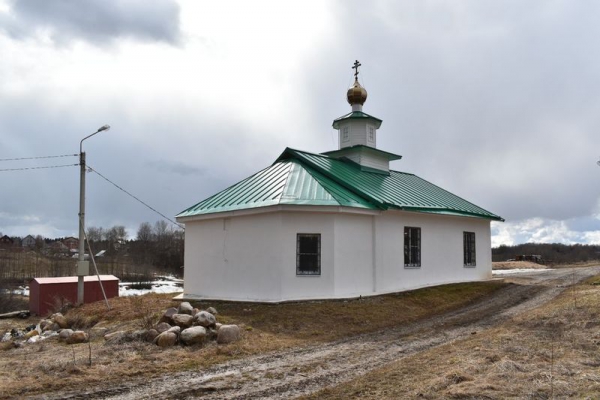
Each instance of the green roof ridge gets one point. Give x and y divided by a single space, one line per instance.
427 198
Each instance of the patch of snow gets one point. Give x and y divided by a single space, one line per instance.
160 286
519 271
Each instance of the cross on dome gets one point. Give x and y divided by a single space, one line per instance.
356 95
355 68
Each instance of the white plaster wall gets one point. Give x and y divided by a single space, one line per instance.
295 287
253 257
234 258
441 250
353 255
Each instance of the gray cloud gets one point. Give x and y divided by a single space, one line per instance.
95 21
175 167
496 102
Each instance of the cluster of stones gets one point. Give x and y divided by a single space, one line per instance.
56 325
185 325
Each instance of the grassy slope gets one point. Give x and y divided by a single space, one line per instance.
49 365
549 352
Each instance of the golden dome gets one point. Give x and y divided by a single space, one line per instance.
357 94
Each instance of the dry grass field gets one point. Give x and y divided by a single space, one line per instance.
50 366
549 352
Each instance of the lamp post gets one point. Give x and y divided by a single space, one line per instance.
83 267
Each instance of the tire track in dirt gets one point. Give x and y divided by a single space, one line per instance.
307 369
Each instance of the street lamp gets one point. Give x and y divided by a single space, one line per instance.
83 267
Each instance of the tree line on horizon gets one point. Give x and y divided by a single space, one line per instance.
552 253
157 249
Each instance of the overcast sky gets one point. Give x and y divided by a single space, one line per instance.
495 101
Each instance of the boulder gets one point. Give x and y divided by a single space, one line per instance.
32 333
175 330
64 334
212 310
34 339
167 316
218 325
163 327
151 334
98 331
195 311
45 325
211 333
7 336
183 320
138 335
77 337
60 320
193 335
228 334
55 327
185 308
166 339
114 336
204 318
49 334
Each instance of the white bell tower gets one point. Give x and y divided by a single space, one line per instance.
357 133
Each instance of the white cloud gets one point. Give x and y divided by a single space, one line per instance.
538 230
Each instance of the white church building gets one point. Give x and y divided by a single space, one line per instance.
339 224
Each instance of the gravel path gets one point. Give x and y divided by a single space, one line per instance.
305 370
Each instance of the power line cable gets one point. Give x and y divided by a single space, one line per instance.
26 168
37 158
126 192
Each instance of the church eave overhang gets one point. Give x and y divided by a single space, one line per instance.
356 115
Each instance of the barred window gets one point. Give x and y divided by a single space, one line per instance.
308 254
469 249
412 247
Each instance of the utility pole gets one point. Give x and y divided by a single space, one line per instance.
83 267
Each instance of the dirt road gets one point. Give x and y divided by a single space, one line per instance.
304 370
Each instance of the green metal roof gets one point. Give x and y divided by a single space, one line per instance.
397 190
285 182
356 115
302 178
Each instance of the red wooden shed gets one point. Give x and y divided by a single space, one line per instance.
46 293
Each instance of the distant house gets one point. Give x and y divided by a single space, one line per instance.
6 242
58 247
28 241
71 243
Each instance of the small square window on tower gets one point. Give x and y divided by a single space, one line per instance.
308 254
371 134
345 134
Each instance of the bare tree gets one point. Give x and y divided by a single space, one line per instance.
161 230
144 232
95 234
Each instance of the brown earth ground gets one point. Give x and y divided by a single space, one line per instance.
552 351
48 366
532 336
